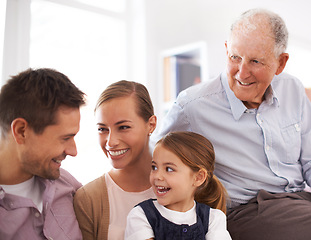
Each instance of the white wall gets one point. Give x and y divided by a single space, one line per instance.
171 23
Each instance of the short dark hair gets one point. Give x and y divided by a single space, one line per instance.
36 95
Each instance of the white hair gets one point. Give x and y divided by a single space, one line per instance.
251 19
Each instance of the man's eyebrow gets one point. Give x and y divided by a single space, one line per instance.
68 135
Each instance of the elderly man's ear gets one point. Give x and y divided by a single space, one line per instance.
283 58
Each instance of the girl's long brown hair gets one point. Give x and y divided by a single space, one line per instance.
197 152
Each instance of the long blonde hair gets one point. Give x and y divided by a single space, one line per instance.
197 152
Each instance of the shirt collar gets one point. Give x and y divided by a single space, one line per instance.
271 96
237 106
2 193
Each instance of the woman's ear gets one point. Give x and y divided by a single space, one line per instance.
200 177
152 123
18 128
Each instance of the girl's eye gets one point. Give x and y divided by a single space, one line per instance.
154 168
169 169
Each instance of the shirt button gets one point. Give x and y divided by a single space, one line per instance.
297 127
37 214
185 230
267 148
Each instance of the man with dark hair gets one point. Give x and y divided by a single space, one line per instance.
39 117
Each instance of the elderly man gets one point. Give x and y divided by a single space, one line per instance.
259 121
39 117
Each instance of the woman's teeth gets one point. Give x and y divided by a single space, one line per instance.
117 153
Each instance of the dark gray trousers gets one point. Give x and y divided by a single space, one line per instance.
279 216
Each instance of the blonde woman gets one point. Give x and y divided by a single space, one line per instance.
125 120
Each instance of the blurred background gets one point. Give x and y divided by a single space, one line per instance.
165 44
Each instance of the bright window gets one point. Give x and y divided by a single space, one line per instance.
90 48
2 24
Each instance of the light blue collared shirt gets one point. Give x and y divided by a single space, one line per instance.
266 148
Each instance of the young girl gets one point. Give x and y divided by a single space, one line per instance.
125 121
191 201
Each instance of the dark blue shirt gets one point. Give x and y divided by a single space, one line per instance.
164 229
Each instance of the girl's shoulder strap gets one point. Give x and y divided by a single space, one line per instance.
203 214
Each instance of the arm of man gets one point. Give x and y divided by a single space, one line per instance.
175 120
305 156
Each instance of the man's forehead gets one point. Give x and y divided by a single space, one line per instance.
253 31
261 36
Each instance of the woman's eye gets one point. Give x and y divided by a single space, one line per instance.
168 169
124 127
153 168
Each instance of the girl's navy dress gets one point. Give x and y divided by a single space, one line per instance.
164 229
